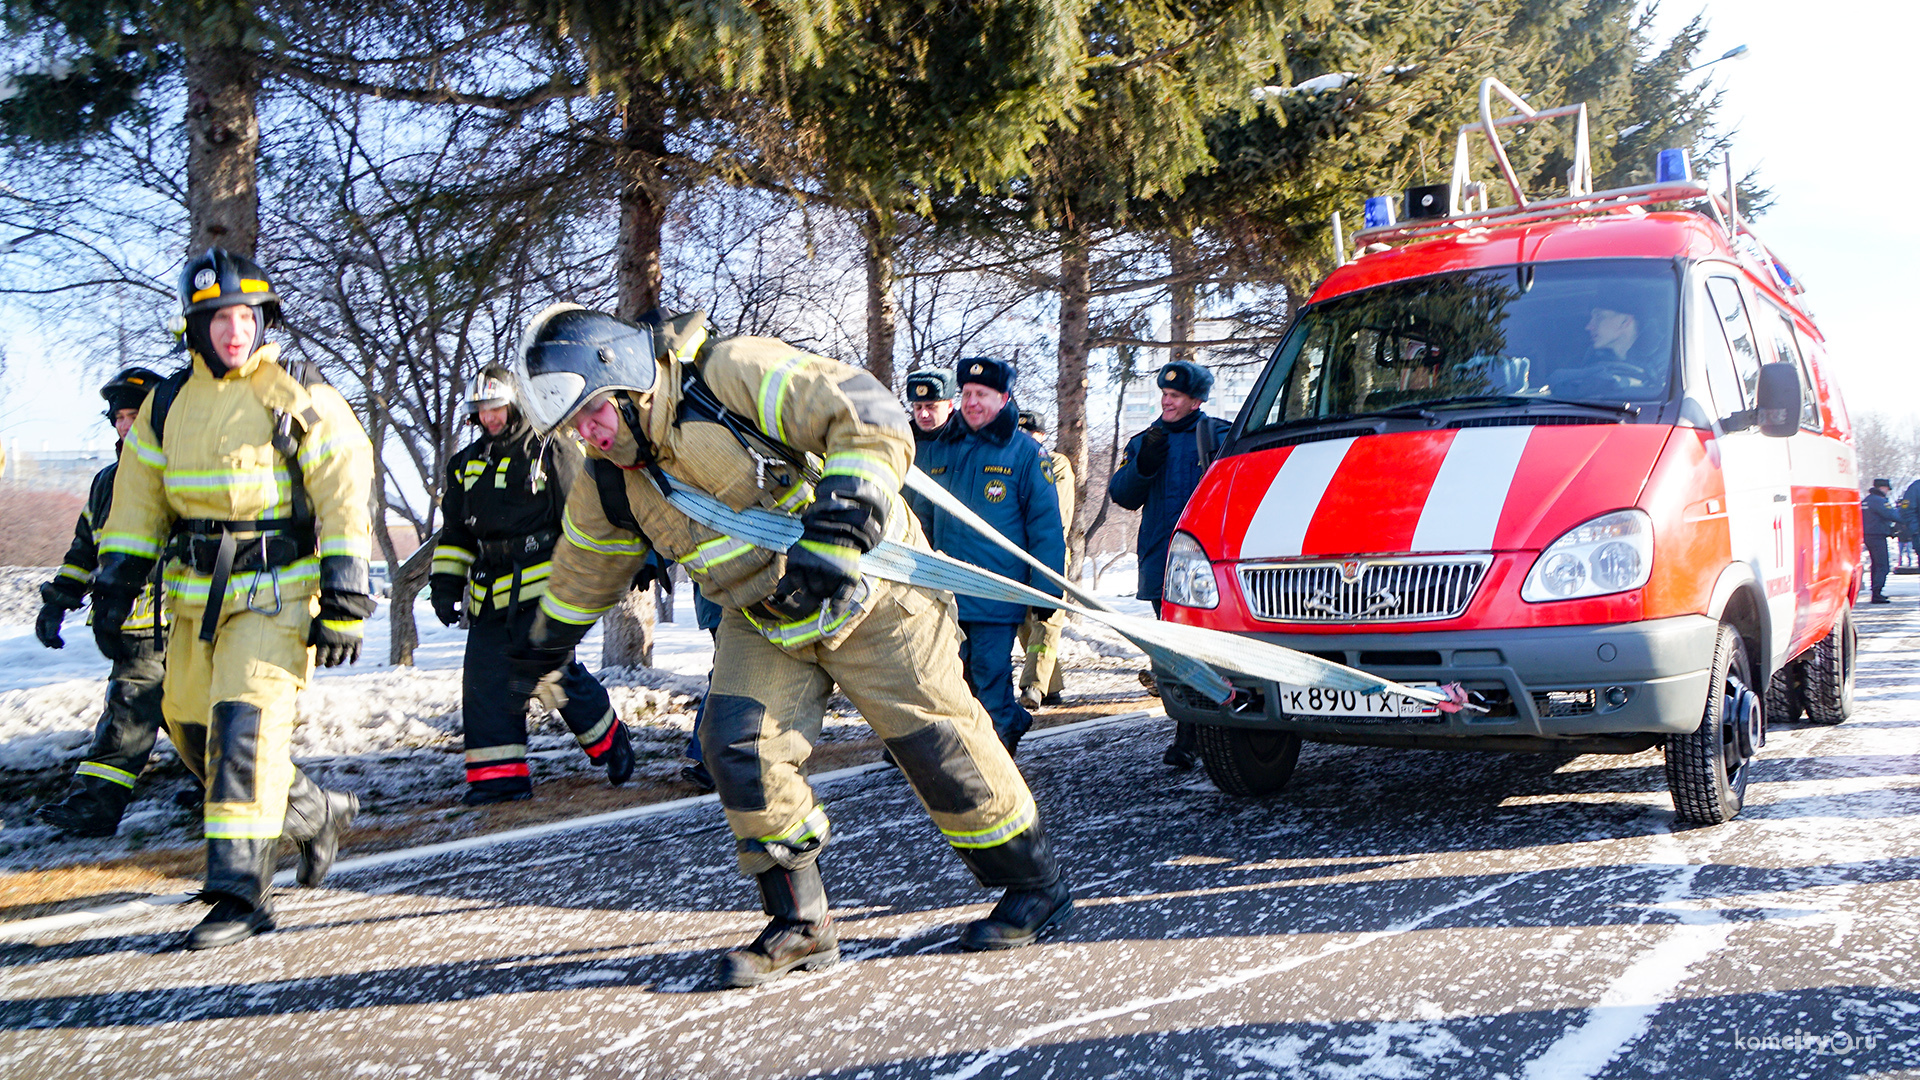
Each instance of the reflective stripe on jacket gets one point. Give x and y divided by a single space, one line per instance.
218 462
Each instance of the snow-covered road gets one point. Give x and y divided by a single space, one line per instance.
1392 914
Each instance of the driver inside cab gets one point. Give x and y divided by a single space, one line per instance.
1628 355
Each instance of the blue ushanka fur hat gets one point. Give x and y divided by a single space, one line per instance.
931 384
1186 377
985 370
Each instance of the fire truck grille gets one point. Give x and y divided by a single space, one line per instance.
1363 590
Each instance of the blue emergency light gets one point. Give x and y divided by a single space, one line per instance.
1675 166
1379 212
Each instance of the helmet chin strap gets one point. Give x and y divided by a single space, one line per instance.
630 412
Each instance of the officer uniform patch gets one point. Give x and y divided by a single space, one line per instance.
1047 470
996 490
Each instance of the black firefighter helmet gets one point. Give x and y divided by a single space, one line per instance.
217 278
128 389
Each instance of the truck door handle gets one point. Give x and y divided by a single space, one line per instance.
1779 498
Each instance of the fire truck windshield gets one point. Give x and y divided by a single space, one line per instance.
1592 331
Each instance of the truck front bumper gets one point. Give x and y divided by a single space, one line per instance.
1587 685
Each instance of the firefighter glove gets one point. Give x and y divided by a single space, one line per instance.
446 590
111 606
55 603
846 519
817 574
1153 451
335 637
346 599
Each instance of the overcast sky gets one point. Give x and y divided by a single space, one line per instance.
1820 104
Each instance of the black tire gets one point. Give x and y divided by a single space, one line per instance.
1786 693
1248 763
1706 768
1827 672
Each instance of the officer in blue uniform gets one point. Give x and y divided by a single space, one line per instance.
930 399
1004 477
1158 473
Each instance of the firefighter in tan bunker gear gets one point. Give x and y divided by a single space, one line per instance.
744 420
252 486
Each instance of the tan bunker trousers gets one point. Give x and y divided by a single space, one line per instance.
901 668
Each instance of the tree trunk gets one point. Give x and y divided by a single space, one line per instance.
1183 295
408 579
1071 385
223 141
644 192
882 312
1113 455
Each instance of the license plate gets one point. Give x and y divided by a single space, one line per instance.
1321 701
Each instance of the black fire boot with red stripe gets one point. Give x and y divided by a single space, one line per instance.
618 756
801 934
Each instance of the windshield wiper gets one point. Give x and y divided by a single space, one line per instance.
1423 409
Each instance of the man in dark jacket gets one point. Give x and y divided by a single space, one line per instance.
1881 524
1004 477
1158 473
502 504
103 784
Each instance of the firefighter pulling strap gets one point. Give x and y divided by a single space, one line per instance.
1195 653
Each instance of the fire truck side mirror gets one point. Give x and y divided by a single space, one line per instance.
1779 399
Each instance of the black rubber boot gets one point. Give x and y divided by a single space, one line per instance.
240 888
1184 754
1036 898
488 792
618 756
91 808
316 820
801 934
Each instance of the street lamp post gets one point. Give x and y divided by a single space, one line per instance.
1730 54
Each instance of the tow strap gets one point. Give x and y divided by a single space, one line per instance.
1195 655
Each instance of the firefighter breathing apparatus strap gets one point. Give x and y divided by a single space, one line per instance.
1193 651
285 442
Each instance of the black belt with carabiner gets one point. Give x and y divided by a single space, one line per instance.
209 546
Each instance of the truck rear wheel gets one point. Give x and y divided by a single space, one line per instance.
1248 763
1827 672
1787 693
1707 767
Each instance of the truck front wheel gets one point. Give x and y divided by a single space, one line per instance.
1248 763
1707 767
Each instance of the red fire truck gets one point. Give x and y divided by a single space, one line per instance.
1581 459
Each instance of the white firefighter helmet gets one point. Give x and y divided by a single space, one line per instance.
490 389
569 354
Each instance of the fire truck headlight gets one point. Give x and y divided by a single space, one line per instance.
1609 554
1189 574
